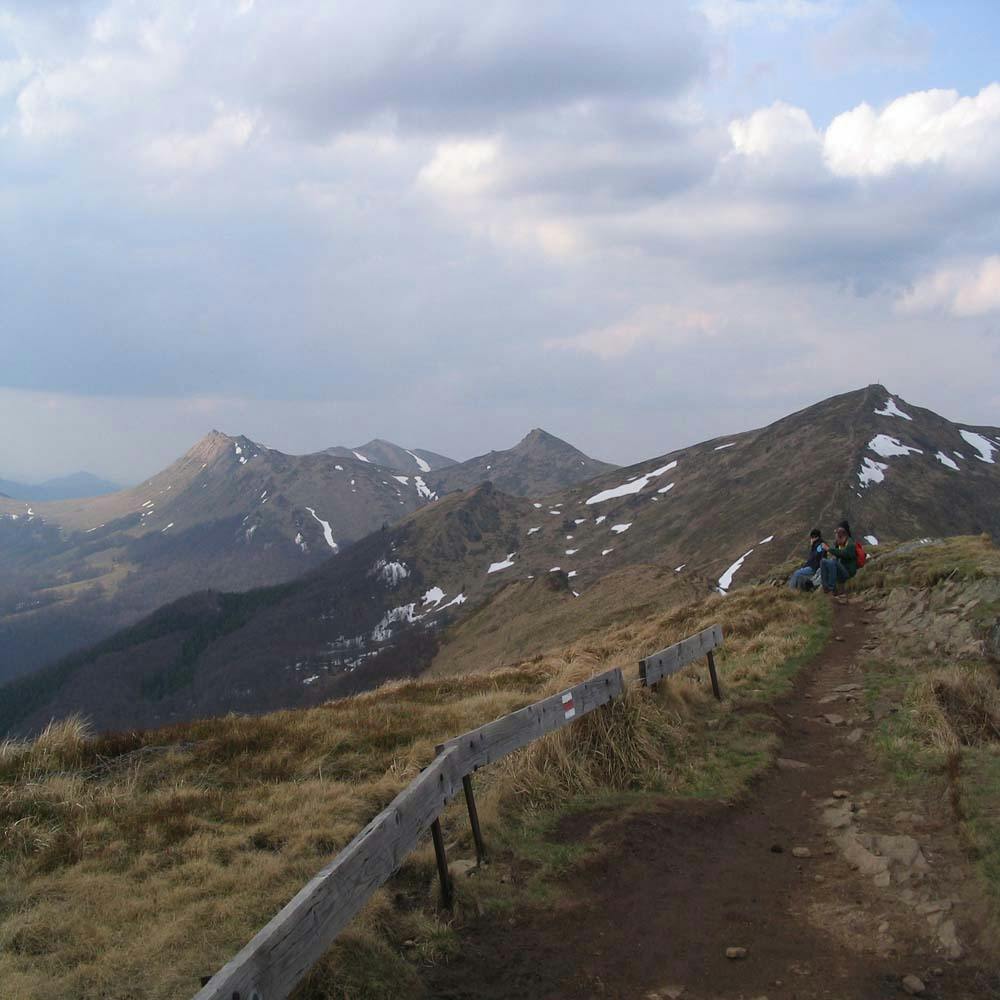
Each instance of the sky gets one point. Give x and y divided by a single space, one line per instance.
637 225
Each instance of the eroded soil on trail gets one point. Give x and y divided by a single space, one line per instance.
835 883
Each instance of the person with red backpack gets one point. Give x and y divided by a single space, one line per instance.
841 560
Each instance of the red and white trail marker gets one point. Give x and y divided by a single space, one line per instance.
569 709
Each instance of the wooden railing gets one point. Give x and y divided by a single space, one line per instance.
668 661
280 955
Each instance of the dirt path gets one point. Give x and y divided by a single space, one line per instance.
653 916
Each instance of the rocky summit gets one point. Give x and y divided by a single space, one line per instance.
539 464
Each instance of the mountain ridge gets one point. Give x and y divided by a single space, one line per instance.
710 516
230 514
378 451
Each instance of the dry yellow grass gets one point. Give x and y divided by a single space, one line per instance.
131 865
529 617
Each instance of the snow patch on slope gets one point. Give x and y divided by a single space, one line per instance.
383 630
983 445
423 489
889 447
327 530
503 564
421 464
871 472
726 580
633 486
892 410
393 573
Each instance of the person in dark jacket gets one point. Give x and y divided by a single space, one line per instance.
802 577
840 561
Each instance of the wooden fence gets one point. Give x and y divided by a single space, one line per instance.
280 955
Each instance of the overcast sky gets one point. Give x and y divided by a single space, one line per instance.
636 225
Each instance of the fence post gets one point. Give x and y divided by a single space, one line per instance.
447 895
714 676
642 675
477 834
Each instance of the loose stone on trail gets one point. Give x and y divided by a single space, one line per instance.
787 764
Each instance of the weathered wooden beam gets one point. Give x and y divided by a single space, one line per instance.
281 953
668 661
497 739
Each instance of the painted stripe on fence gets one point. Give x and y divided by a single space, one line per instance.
569 709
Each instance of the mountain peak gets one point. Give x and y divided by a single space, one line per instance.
538 436
538 464
216 443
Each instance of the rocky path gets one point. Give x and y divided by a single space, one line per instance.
827 882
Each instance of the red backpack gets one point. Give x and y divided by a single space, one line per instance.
860 553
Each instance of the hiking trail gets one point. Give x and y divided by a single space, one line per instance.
835 883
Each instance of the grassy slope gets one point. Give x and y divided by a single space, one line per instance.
529 617
132 865
937 689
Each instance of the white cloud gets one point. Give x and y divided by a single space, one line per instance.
462 168
926 127
774 131
204 150
970 290
663 324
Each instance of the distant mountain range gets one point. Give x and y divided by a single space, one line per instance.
709 516
230 515
79 484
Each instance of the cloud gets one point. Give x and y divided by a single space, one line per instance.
970 290
202 150
440 67
13 73
461 168
319 213
779 145
926 128
666 325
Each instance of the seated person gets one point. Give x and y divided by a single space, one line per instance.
801 579
840 561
